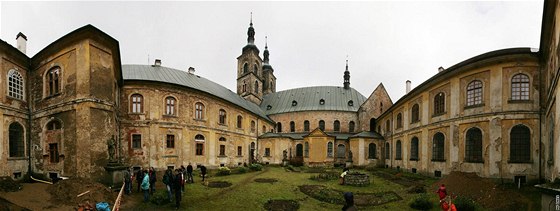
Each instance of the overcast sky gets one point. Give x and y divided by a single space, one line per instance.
385 42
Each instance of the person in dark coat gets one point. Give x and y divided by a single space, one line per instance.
189 173
203 171
127 182
139 177
168 181
349 202
153 179
177 181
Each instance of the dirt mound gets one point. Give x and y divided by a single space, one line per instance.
67 191
484 191
266 180
7 184
333 196
281 205
219 184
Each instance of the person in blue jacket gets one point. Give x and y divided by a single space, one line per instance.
146 186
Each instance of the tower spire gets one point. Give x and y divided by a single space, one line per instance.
265 53
346 76
251 32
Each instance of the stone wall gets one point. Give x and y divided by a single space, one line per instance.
356 179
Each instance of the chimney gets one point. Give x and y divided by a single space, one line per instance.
407 86
157 63
440 69
191 70
21 42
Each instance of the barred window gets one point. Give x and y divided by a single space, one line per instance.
239 151
239 121
351 126
474 93
53 85
222 150
136 141
170 141
414 148
137 104
399 120
222 114
336 126
520 87
415 113
372 150
15 84
267 152
387 150
520 144
398 150
53 152
292 126
253 126
438 147
16 142
439 103
322 125
199 149
306 126
199 111
170 106
473 148
330 149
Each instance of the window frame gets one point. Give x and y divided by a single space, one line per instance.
322 125
15 85
292 127
138 141
54 155
520 87
239 122
438 147
330 149
222 116
136 103
414 149
306 125
475 93
16 145
520 144
473 146
415 113
398 150
222 150
336 126
372 151
199 111
399 120
170 141
52 81
351 126
439 104
170 103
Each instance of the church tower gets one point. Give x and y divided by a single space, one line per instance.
269 83
249 70
346 77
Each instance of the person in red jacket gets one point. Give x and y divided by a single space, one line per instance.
442 192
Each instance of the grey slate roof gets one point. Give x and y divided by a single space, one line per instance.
307 98
182 78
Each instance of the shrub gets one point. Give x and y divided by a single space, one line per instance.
465 203
160 197
255 167
241 170
223 171
421 202
325 176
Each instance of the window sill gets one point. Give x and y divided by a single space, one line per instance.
438 160
17 158
520 101
223 125
15 98
199 120
222 156
439 114
474 161
398 158
474 106
136 149
52 96
520 162
136 113
414 122
413 159
239 156
169 116
170 148
372 158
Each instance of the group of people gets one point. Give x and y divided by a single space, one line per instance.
174 182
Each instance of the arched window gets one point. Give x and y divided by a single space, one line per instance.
351 126
387 150
223 116
520 144
137 103
473 145
306 126
330 149
256 87
15 84
474 93
170 106
279 127
52 78
399 120
222 139
415 113
322 125
388 125
341 151
199 111
245 68
372 150
244 86
292 126
371 124
438 147
239 121
199 147
439 104
16 142
336 126
520 87
253 126
398 151
306 149
255 69
414 148
54 125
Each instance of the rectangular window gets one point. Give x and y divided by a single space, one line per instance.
239 151
222 150
136 141
267 152
199 149
170 141
53 152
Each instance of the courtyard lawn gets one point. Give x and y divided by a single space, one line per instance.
246 194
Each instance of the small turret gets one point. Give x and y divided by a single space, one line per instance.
346 77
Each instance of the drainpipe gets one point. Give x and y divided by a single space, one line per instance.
29 115
540 129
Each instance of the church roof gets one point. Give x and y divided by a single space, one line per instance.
318 98
182 78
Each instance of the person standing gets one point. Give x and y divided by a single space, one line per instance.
168 181
189 173
139 177
349 202
146 186
442 192
127 181
153 179
203 171
177 181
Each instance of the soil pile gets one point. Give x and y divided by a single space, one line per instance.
7 184
483 190
67 191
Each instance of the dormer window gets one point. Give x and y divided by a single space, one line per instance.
294 103
322 102
350 103
268 107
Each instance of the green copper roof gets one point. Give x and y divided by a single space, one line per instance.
182 78
309 99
